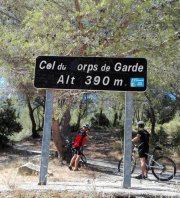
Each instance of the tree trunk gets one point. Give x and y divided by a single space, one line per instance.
152 114
57 138
100 117
65 129
79 117
82 111
115 119
78 121
80 26
61 130
65 126
34 131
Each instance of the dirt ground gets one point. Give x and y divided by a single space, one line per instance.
102 145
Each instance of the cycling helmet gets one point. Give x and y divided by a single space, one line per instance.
86 126
141 124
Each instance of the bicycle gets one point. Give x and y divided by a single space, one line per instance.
162 167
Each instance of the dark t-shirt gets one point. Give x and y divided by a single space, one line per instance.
144 137
143 148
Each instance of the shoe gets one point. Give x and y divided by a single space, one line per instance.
145 177
76 169
70 168
141 177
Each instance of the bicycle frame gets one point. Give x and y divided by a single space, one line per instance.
150 160
162 167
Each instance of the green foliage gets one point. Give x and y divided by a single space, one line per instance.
26 125
173 128
177 150
167 109
8 122
148 29
74 127
109 28
159 137
163 104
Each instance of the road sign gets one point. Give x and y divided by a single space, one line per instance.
91 73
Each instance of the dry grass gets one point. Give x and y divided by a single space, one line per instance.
50 194
62 173
9 174
10 178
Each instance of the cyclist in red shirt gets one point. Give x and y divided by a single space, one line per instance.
80 141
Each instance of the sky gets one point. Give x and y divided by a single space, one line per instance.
3 82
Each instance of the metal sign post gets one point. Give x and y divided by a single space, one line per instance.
46 137
127 140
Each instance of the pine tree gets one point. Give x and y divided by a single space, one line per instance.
8 122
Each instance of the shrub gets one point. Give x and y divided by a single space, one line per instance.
173 128
100 120
8 122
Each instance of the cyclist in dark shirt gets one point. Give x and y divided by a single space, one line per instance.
142 138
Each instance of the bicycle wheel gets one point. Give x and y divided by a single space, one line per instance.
83 158
121 165
163 168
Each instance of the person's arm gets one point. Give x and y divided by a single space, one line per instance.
136 139
87 136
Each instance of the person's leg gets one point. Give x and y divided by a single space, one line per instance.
143 157
143 166
77 162
72 162
77 158
146 163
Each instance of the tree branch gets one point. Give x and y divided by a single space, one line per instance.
129 53
63 6
9 16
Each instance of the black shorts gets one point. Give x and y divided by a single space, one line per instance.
143 150
78 150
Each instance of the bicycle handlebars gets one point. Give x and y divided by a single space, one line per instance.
135 148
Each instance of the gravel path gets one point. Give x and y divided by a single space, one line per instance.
106 181
104 186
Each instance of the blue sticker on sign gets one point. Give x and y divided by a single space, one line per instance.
137 82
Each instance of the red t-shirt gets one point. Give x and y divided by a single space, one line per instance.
80 139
